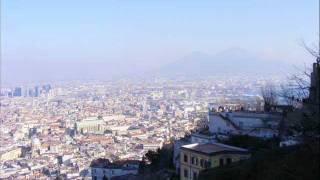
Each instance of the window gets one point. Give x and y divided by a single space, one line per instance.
229 160
192 160
185 173
220 162
201 162
207 164
185 158
194 175
197 161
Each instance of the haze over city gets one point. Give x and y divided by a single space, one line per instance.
71 40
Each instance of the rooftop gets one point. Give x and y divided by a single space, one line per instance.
214 148
121 164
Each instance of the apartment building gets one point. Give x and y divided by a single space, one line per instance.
197 157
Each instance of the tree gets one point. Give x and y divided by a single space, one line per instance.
269 96
160 159
59 177
298 85
290 163
308 84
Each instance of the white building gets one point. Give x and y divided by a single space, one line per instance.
91 125
103 168
152 146
264 125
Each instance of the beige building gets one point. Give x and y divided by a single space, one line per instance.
10 154
197 157
91 125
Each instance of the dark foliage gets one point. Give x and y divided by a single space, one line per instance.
158 160
294 163
253 144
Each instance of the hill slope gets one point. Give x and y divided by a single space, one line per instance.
230 61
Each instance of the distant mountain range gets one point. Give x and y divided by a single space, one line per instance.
230 61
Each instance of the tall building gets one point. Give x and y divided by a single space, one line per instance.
36 91
46 88
17 92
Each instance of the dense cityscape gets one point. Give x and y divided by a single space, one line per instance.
64 126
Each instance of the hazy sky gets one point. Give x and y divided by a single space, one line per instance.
146 33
